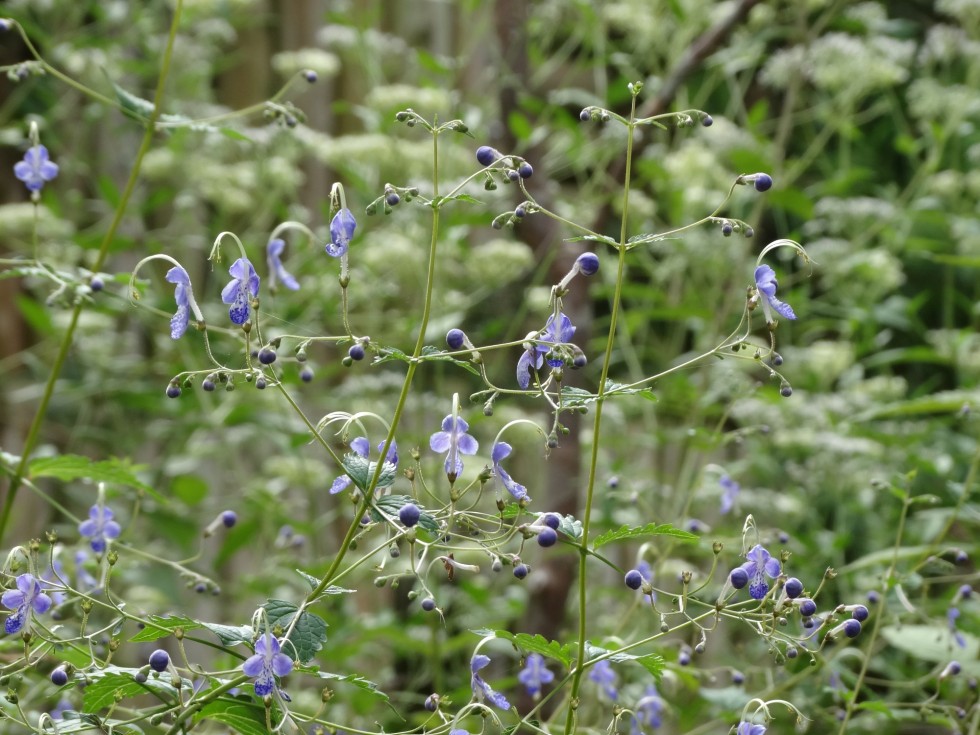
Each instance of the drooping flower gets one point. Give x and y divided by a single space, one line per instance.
749 728
179 321
267 663
730 490
273 258
647 712
760 565
24 600
362 447
603 675
535 674
951 615
482 690
99 527
341 233
501 450
765 282
453 440
559 332
36 168
243 287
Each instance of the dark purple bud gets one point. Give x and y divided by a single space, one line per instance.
785 390
392 199
860 613
525 171
409 514
428 604
547 537
520 212
739 578
727 229
432 702
707 121
229 518
738 677
763 182
310 76
96 284
792 652
552 520
965 590
139 677
852 628
962 557
777 360
952 669
159 660
748 232
455 338
208 384
684 658
260 383
306 374
633 579
807 607
585 115
59 677
486 155
356 352
267 355
588 264
521 570
173 391
513 175
793 587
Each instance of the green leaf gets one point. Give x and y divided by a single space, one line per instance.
331 590
244 717
308 635
519 125
433 354
533 644
930 642
161 627
192 489
231 635
67 467
81 722
235 135
649 661
360 471
570 526
358 681
133 106
391 504
113 684
651 529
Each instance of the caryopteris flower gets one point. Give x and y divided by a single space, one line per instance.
760 565
180 320
25 600
729 491
951 616
341 233
481 690
501 450
748 728
453 440
535 674
647 713
267 663
603 675
559 332
765 282
273 256
35 169
99 527
362 447
243 287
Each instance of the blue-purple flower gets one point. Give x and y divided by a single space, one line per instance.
765 282
341 233
86 582
267 663
501 450
50 581
749 728
36 168
603 675
273 258
453 440
99 527
951 615
533 357
25 600
482 690
362 447
729 491
647 712
760 564
179 321
535 674
243 287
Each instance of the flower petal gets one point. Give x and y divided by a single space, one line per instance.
479 662
12 599
42 603
467 444
281 664
362 446
340 484
499 451
440 441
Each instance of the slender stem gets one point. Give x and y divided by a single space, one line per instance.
34 431
597 424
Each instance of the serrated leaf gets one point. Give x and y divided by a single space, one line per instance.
536 643
67 467
162 626
358 681
308 635
432 354
231 635
114 683
242 716
649 661
570 526
134 106
391 504
331 590
650 529
360 471
72 722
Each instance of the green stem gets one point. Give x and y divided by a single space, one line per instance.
597 424
33 433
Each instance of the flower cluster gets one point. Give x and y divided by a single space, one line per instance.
557 331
